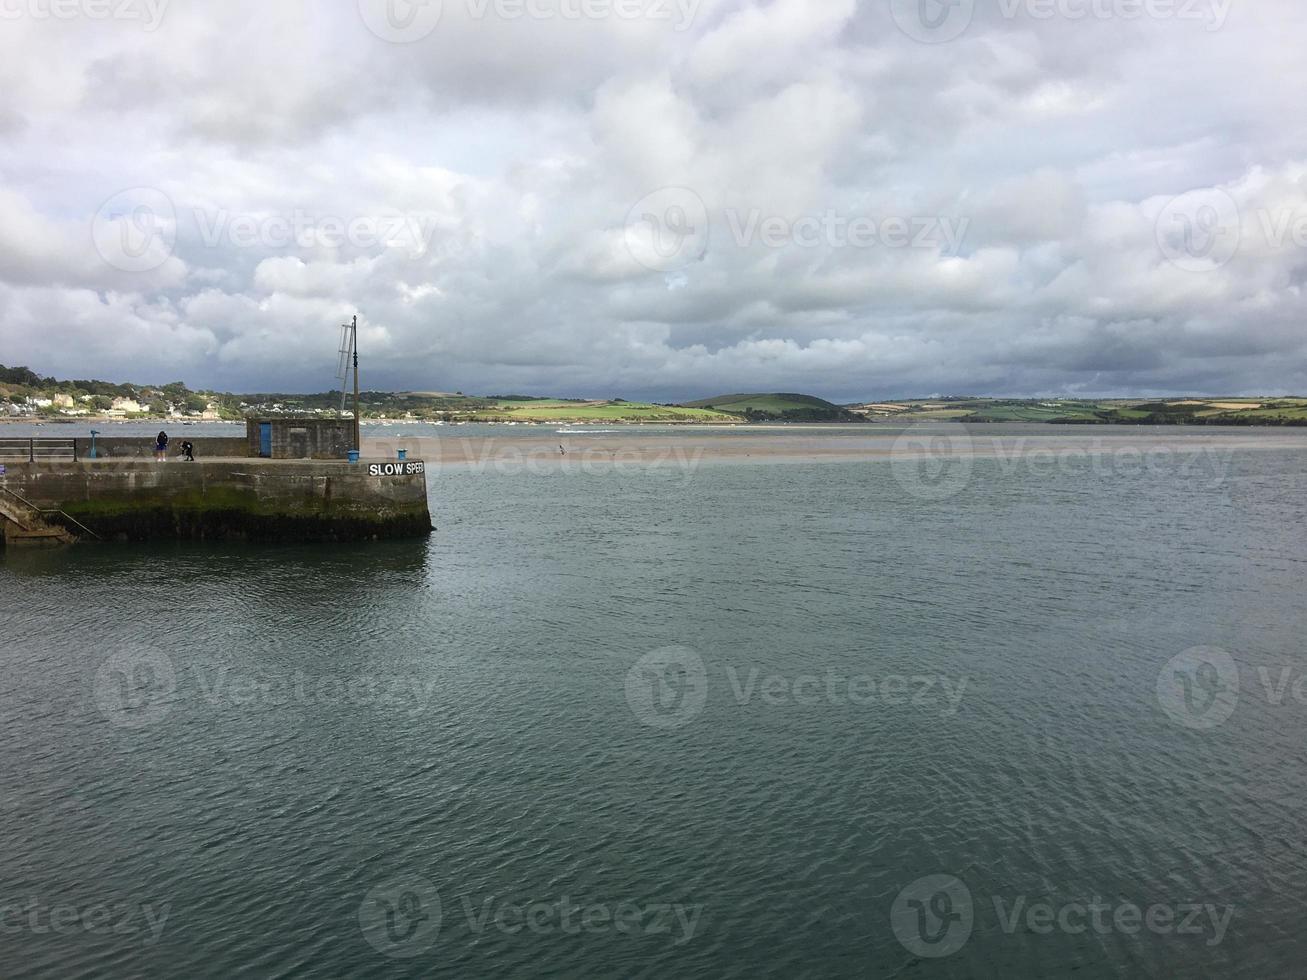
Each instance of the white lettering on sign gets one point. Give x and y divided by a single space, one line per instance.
396 469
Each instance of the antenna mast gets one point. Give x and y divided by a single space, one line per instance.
349 350
358 432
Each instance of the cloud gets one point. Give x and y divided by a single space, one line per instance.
1043 204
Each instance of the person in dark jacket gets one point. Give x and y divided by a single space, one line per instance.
161 447
188 451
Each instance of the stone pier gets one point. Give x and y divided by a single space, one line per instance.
224 499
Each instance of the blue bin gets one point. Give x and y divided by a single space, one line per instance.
403 455
353 455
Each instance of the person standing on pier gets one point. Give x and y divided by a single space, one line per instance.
161 447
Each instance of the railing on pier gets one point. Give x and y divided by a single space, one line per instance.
38 450
45 512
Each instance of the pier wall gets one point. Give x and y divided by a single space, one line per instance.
118 447
234 499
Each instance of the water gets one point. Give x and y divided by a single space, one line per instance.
245 756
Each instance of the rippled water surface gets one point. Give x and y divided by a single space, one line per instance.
728 721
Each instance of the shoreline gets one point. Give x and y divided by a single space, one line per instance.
540 451
1224 423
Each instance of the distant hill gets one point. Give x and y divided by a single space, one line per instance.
532 409
777 407
1199 410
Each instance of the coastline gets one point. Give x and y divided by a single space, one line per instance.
553 424
1195 422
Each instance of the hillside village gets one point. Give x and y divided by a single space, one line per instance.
81 406
26 395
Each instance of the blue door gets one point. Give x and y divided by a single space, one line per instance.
265 439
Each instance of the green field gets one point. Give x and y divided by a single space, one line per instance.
543 410
776 406
1119 411
1063 412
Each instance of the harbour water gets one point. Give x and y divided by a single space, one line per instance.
1031 715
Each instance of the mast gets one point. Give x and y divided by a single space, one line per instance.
358 432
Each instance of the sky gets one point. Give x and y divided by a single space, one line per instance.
661 199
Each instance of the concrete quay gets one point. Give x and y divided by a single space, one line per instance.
126 498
